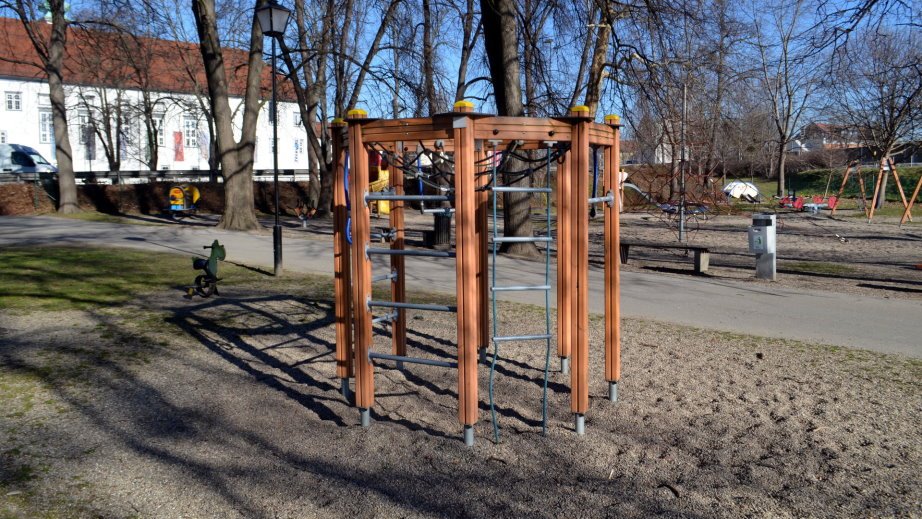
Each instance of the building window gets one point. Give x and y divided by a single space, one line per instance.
158 128
14 101
297 118
45 127
3 137
190 132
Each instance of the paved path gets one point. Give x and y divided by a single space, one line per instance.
886 325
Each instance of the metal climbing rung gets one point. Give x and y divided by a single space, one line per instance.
608 199
413 306
391 276
412 360
521 239
521 288
515 189
510 338
385 318
439 210
374 197
411 252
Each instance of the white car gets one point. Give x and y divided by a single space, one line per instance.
17 158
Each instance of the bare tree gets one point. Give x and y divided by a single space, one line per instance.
878 95
502 48
787 76
235 155
49 42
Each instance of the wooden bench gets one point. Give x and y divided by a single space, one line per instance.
702 253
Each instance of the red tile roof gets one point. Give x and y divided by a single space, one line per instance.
109 59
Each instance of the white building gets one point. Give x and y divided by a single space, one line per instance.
101 87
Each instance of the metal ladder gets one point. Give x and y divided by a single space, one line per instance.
498 240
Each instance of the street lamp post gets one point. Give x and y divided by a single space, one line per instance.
272 19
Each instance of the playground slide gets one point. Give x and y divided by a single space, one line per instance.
645 196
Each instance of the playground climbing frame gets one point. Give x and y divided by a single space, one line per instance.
467 137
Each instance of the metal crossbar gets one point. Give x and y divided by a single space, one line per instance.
510 338
497 339
413 306
522 239
410 252
374 197
413 360
517 189
520 288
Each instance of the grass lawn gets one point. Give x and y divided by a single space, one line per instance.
815 181
70 278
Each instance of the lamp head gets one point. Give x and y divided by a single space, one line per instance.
273 18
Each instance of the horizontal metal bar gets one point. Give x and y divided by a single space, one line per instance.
412 360
373 197
413 306
411 252
520 288
389 317
608 199
510 338
437 210
515 189
521 239
392 275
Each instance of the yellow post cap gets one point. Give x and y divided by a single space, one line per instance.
464 106
338 120
613 119
580 108
356 112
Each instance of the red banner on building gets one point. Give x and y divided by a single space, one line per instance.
178 150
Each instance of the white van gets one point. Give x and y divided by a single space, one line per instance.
17 158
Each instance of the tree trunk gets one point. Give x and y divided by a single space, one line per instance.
236 157
781 174
67 186
501 44
882 195
428 61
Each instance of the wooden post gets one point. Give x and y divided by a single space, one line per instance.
864 196
912 200
899 185
564 261
848 169
467 265
613 260
482 233
580 372
342 264
880 177
398 283
361 283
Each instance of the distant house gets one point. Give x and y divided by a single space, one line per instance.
115 84
823 136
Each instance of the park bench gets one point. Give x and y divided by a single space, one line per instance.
702 252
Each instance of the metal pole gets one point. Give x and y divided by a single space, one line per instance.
682 162
277 229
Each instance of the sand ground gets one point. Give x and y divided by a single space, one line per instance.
229 407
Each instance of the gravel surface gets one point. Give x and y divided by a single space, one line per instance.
230 407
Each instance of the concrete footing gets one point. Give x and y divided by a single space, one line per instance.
469 435
365 415
612 391
580 423
565 365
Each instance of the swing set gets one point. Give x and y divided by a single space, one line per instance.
475 150
886 165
